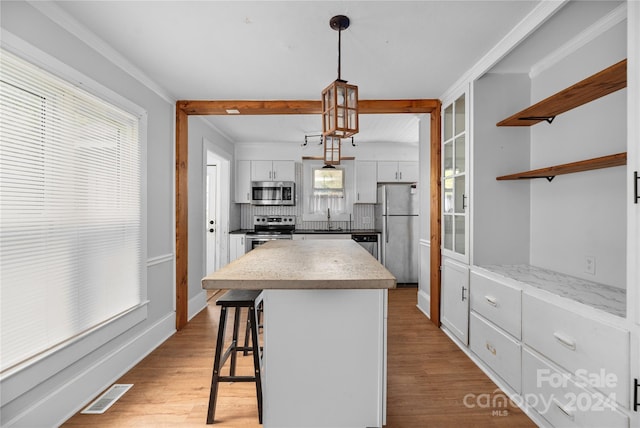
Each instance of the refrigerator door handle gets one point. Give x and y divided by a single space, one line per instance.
386 214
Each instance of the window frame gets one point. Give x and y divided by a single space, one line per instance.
56 358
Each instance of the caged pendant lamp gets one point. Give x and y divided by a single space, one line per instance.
339 100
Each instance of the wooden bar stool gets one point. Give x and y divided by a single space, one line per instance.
237 299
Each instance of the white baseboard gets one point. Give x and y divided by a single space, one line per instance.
77 392
196 304
424 303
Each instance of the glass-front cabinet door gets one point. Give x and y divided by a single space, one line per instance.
454 179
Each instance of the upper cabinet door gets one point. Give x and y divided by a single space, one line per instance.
366 182
243 182
266 170
397 172
408 172
387 171
455 185
284 170
261 170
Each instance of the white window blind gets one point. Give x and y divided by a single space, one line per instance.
70 211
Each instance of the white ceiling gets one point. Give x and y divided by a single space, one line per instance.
270 50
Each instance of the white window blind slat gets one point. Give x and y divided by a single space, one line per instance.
70 211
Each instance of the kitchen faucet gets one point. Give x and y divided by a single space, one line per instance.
328 218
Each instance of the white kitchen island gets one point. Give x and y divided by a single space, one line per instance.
325 328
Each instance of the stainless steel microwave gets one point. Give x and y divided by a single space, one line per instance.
273 193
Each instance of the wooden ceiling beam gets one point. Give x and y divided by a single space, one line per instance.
248 107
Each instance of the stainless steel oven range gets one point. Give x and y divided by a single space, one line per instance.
269 227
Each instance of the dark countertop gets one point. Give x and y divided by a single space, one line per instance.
318 231
337 232
240 231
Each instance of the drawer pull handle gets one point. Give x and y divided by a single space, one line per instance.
563 409
491 348
565 340
491 300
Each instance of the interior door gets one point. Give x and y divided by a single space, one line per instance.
211 263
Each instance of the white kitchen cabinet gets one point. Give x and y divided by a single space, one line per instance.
498 302
563 400
397 171
455 299
366 182
498 350
455 185
269 170
243 182
323 386
579 344
236 246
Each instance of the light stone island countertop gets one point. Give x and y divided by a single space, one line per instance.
304 264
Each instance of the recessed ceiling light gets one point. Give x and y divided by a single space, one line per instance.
233 111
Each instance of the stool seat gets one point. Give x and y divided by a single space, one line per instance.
237 299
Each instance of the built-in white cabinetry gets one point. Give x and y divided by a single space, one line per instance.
455 185
564 401
366 182
498 302
243 182
581 345
267 170
402 171
569 350
454 310
236 246
499 350
495 326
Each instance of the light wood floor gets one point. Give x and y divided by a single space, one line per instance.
428 380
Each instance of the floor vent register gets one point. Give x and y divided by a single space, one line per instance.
106 400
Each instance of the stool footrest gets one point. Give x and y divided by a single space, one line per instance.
236 378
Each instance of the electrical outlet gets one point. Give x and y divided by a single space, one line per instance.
366 220
590 265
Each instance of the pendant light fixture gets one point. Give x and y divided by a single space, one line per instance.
339 105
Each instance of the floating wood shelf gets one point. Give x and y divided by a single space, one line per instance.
600 84
585 165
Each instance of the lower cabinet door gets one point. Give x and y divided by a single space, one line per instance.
497 349
455 299
562 400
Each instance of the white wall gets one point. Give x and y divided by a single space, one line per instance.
579 215
424 244
57 389
499 209
200 133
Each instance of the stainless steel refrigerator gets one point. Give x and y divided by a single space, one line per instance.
397 217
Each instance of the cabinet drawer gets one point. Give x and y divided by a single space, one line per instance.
558 398
498 302
585 347
497 349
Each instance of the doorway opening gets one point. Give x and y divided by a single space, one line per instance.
216 211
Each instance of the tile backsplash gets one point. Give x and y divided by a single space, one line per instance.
361 212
